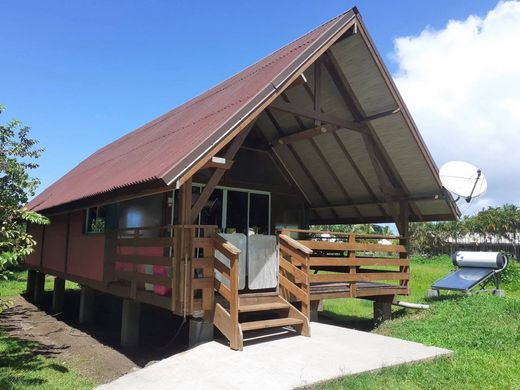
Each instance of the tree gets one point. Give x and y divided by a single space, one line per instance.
18 153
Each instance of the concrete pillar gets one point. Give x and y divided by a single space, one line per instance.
31 280
200 331
86 305
382 312
39 288
314 311
130 323
431 293
58 295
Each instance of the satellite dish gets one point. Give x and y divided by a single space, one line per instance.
463 179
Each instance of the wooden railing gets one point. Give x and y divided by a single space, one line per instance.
128 254
227 320
352 258
183 256
293 273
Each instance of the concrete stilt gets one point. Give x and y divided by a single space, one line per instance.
130 323
200 331
314 311
86 305
31 280
39 288
382 312
58 295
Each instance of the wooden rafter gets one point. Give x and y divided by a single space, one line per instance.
330 170
349 158
305 134
317 116
226 164
230 153
429 198
299 160
377 157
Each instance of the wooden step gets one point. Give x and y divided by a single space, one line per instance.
263 307
264 324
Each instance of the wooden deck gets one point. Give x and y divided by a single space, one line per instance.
174 267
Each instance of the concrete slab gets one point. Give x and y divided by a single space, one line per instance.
283 363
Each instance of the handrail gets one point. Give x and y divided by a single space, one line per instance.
295 244
342 234
161 227
227 322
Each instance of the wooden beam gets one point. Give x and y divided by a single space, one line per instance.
230 153
381 115
305 134
317 88
377 155
319 116
214 163
380 202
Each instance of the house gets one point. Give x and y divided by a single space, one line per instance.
315 133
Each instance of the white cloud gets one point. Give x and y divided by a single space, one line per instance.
462 86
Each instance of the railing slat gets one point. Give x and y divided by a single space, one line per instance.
139 277
345 246
139 259
292 288
292 269
346 262
358 277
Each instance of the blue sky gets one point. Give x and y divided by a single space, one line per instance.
84 73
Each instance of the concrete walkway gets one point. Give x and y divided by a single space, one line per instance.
283 363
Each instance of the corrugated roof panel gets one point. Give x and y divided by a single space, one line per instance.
181 132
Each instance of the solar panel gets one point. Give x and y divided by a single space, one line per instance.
463 279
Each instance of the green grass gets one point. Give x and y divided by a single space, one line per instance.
25 364
17 283
482 330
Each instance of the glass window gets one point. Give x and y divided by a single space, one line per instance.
259 213
237 203
96 218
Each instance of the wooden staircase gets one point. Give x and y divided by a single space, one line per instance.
236 314
256 313
263 312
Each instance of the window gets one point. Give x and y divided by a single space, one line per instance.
95 220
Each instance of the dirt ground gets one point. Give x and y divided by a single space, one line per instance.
93 351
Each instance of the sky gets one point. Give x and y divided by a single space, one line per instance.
84 73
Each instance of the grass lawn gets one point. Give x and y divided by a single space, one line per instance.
483 331
23 364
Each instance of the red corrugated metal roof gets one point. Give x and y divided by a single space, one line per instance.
169 143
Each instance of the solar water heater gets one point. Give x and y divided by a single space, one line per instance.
474 269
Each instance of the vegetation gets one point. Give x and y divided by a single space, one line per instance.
482 330
486 228
18 153
359 229
26 364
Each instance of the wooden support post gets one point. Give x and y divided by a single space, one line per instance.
184 247
39 288
382 311
404 231
131 315
31 280
58 295
86 305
